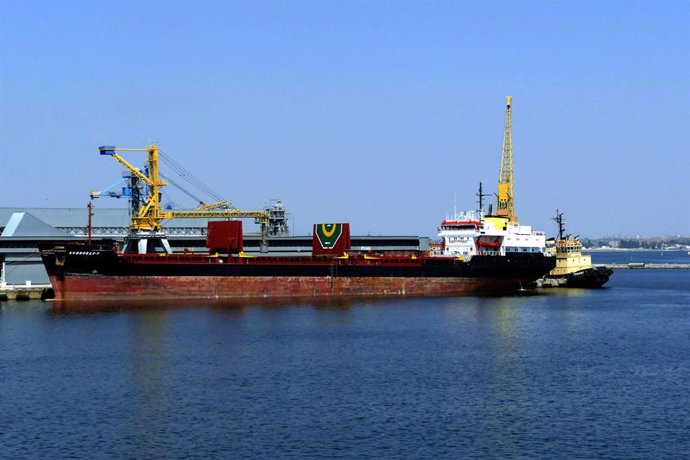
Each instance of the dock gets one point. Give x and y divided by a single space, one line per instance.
25 292
644 265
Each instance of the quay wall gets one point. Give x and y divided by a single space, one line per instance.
643 265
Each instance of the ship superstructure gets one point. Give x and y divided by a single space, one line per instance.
472 233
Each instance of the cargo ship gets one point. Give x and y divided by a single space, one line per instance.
489 254
103 272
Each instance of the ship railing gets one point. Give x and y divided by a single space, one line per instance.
489 252
268 260
177 257
352 260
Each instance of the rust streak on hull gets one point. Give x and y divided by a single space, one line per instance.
220 287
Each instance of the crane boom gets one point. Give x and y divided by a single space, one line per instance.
134 170
150 214
223 204
506 195
235 213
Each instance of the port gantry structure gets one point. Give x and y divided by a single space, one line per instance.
146 220
506 195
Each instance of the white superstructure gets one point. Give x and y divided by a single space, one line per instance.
471 233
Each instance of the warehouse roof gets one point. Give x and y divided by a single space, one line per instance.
24 224
78 217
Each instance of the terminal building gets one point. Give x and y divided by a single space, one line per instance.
22 229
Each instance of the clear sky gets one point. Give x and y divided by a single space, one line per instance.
377 113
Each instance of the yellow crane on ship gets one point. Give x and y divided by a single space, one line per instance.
150 214
506 195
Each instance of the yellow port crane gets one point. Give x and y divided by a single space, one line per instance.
150 214
506 196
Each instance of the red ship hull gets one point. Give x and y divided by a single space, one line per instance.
83 273
221 287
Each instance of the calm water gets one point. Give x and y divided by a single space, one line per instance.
568 374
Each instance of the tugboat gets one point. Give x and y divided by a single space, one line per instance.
573 269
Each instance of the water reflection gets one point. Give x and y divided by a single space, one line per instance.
571 292
150 375
507 354
322 303
480 305
269 303
104 306
508 335
125 305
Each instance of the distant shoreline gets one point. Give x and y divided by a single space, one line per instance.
632 250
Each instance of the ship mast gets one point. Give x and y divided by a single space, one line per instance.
561 225
506 196
480 198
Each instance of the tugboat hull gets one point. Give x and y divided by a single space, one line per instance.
594 277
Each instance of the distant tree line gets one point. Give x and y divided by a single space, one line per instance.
637 243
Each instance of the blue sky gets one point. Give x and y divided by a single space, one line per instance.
377 113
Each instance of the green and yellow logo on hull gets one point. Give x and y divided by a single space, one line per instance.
328 234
